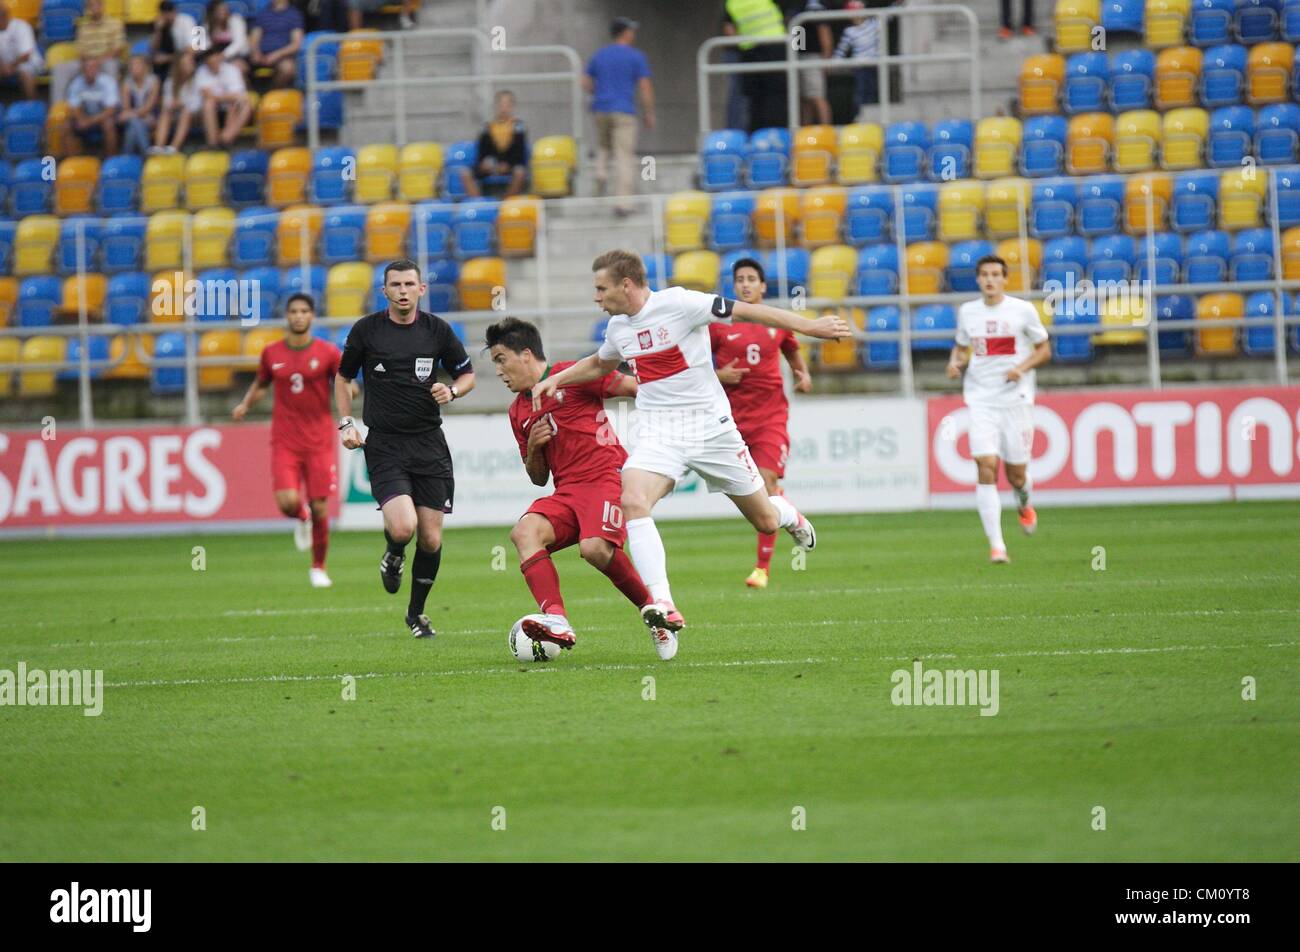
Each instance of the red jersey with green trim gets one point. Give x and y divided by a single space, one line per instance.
301 418
585 448
760 395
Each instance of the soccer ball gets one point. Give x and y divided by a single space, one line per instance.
525 648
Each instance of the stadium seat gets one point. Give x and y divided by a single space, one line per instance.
696 270
83 290
997 147
1290 23
126 298
1024 259
869 212
933 317
925 267
1089 142
255 237
882 353
1218 341
1137 140
30 189
299 280
1256 21
551 166
34 241
23 130
358 59
1122 16
127 355
1206 257
1232 134
246 179
961 207
168 378
286 180
686 216
722 160
79 242
1043 150
1153 191
1041 77
1268 73
1178 75
859 148
1291 254
1242 196
75 186
122 244
767 155
376 173
838 355
10 353
418 166
40 349
729 220
387 225
1287 184
59 20
1211 22
8 235
1075 22
831 271
920 212
517 225
347 289
1166 22
949 157
877 270
1073 348
430 231
1007 207
813 152
962 256
1123 319
332 171
166 303
1087 76
1183 136
658 269
1100 202
8 300
1252 255
119 184
218 296
1223 76
38 297
160 183
482 280
785 272
1052 210
772 204
906 145
279 113
218 345
256 341
822 214
459 155
1260 341
296 232
1065 261
474 228
205 175
165 238
1277 133
266 284
212 231
6 173
1112 258
1174 307
1167 249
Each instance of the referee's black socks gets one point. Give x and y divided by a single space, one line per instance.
424 569
397 548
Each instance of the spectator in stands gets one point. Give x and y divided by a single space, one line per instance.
228 32
615 75
277 35
357 8
139 96
98 36
20 57
502 153
226 109
861 38
1007 30
816 108
92 102
172 33
766 91
181 105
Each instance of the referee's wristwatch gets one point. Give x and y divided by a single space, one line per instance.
346 422
454 392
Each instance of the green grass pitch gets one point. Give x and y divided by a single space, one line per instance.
1119 688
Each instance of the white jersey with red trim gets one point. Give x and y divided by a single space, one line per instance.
1000 337
667 346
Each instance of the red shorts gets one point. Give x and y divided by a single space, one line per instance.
315 469
769 444
583 511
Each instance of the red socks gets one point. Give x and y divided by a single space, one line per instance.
320 541
304 510
544 582
623 574
766 546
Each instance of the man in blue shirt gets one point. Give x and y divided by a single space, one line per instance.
93 102
614 77
277 35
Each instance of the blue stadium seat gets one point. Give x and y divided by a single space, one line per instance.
767 157
868 214
1065 261
126 299
293 281
431 229
950 150
1052 212
1223 76
797 262
1207 257
906 145
1112 258
1277 134
329 109
1211 22
1260 341
1123 16
169 345
658 269
92 230
1252 255
441 276
1132 74
1288 197
1232 133
267 281
1100 201
332 169
1168 254
722 160
1195 202
463 154
1291 21
920 212
24 130
6 172
474 228
962 256
729 220
37 298
8 229
883 353
122 246
255 241
119 184
727 284
196 8
59 20
1042 150
212 299
343 235
1175 307
246 178
340 336
1086 78
878 269
1256 21
97 349
1072 348
327 57
30 191
934 317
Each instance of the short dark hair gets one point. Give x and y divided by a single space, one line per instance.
514 334
300 296
748 263
401 264
992 259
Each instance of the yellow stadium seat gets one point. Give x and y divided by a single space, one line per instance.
839 355
482 283
376 173
115 8
813 153
1041 78
205 172
1045 311
93 287
1089 141
10 353
160 182
517 225
924 268
1007 202
164 240
1023 261
1160 188
297 233
1268 73
386 228
1166 22
961 208
8 298
831 271
256 341
359 58
552 164
1137 140
997 146
278 114
1183 138
29 10
56 138
419 165
686 215
1123 316
167 297
696 270
141 11
212 230
129 353
286 180
347 289
221 346
254 101
1178 76
1218 340
1242 194
859 148
41 349
774 203
60 53
1075 22
34 242
1291 254
822 211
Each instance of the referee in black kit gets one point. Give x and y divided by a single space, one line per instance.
406 452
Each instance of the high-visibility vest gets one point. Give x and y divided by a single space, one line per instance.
756 18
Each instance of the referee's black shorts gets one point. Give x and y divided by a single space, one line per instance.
417 465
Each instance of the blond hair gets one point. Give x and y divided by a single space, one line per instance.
620 264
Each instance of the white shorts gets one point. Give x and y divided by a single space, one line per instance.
1005 432
722 460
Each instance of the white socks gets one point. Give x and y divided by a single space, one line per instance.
989 505
1022 494
786 513
647 551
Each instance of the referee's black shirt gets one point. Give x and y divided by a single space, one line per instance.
400 362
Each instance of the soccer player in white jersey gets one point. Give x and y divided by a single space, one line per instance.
1000 340
684 420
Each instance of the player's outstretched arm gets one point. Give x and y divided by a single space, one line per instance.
585 370
255 391
830 327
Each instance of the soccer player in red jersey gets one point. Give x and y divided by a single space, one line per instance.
749 366
303 452
568 441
